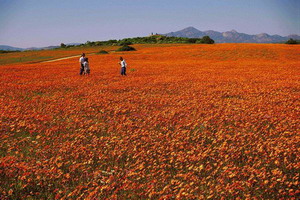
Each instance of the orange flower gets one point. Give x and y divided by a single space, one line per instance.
188 121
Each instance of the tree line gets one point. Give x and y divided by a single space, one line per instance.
153 39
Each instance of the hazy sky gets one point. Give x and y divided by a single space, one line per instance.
27 23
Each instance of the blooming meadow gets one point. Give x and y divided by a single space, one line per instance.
187 122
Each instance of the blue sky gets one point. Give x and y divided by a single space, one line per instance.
27 23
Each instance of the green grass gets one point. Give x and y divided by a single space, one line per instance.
23 58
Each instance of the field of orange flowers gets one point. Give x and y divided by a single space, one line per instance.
44 55
187 122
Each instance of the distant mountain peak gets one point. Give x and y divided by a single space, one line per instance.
190 28
262 35
190 32
233 31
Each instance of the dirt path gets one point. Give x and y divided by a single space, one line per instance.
64 58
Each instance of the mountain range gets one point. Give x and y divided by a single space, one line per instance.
231 36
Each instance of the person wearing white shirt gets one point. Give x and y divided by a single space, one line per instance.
81 61
86 66
123 66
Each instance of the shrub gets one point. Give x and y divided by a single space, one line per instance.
123 43
192 40
102 52
90 44
126 48
207 40
112 42
291 41
126 41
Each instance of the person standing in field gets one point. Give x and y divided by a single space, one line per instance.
86 66
81 61
123 66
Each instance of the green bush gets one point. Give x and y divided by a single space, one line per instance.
207 40
102 52
291 41
126 48
125 43
192 40
90 44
